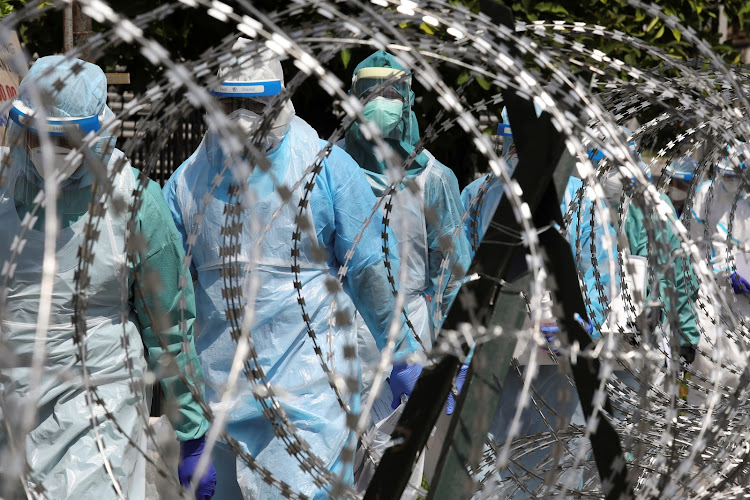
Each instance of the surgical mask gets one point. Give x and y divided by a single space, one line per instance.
612 186
249 122
61 167
385 113
677 194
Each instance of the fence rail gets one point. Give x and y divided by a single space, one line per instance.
180 145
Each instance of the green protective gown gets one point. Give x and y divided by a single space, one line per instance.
635 228
164 252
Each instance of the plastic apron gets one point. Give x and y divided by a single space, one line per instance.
279 333
624 311
719 355
407 220
61 447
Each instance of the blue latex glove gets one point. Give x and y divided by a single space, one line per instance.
739 284
403 378
588 326
460 378
190 453
550 334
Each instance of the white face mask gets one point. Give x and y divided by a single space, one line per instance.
612 186
249 122
677 194
62 166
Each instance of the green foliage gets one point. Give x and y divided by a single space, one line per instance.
7 6
346 56
701 15
188 33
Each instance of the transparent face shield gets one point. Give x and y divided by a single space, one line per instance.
232 104
385 94
682 169
61 153
247 101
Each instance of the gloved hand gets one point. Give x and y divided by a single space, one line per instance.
739 284
550 334
403 378
460 378
587 325
190 454
687 354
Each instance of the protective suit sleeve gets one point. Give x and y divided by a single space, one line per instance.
156 295
466 195
443 211
170 196
592 265
480 215
679 278
696 221
344 185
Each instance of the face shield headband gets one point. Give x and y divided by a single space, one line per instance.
385 82
56 127
505 137
677 171
260 88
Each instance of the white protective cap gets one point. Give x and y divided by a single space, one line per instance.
255 77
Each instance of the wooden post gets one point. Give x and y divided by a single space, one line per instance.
68 28
81 31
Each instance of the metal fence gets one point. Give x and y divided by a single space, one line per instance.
181 144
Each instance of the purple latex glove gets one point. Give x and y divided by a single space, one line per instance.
190 454
460 378
739 284
403 378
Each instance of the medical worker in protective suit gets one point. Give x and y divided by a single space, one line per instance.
576 204
282 331
648 259
121 303
717 205
423 217
481 198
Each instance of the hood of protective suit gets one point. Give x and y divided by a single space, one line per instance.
84 94
264 67
407 129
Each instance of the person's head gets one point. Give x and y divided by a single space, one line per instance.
734 163
385 87
247 87
73 93
619 179
680 173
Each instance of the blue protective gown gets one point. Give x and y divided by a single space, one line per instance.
549 385
592 269
427 221
61 448
341 200
423 220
